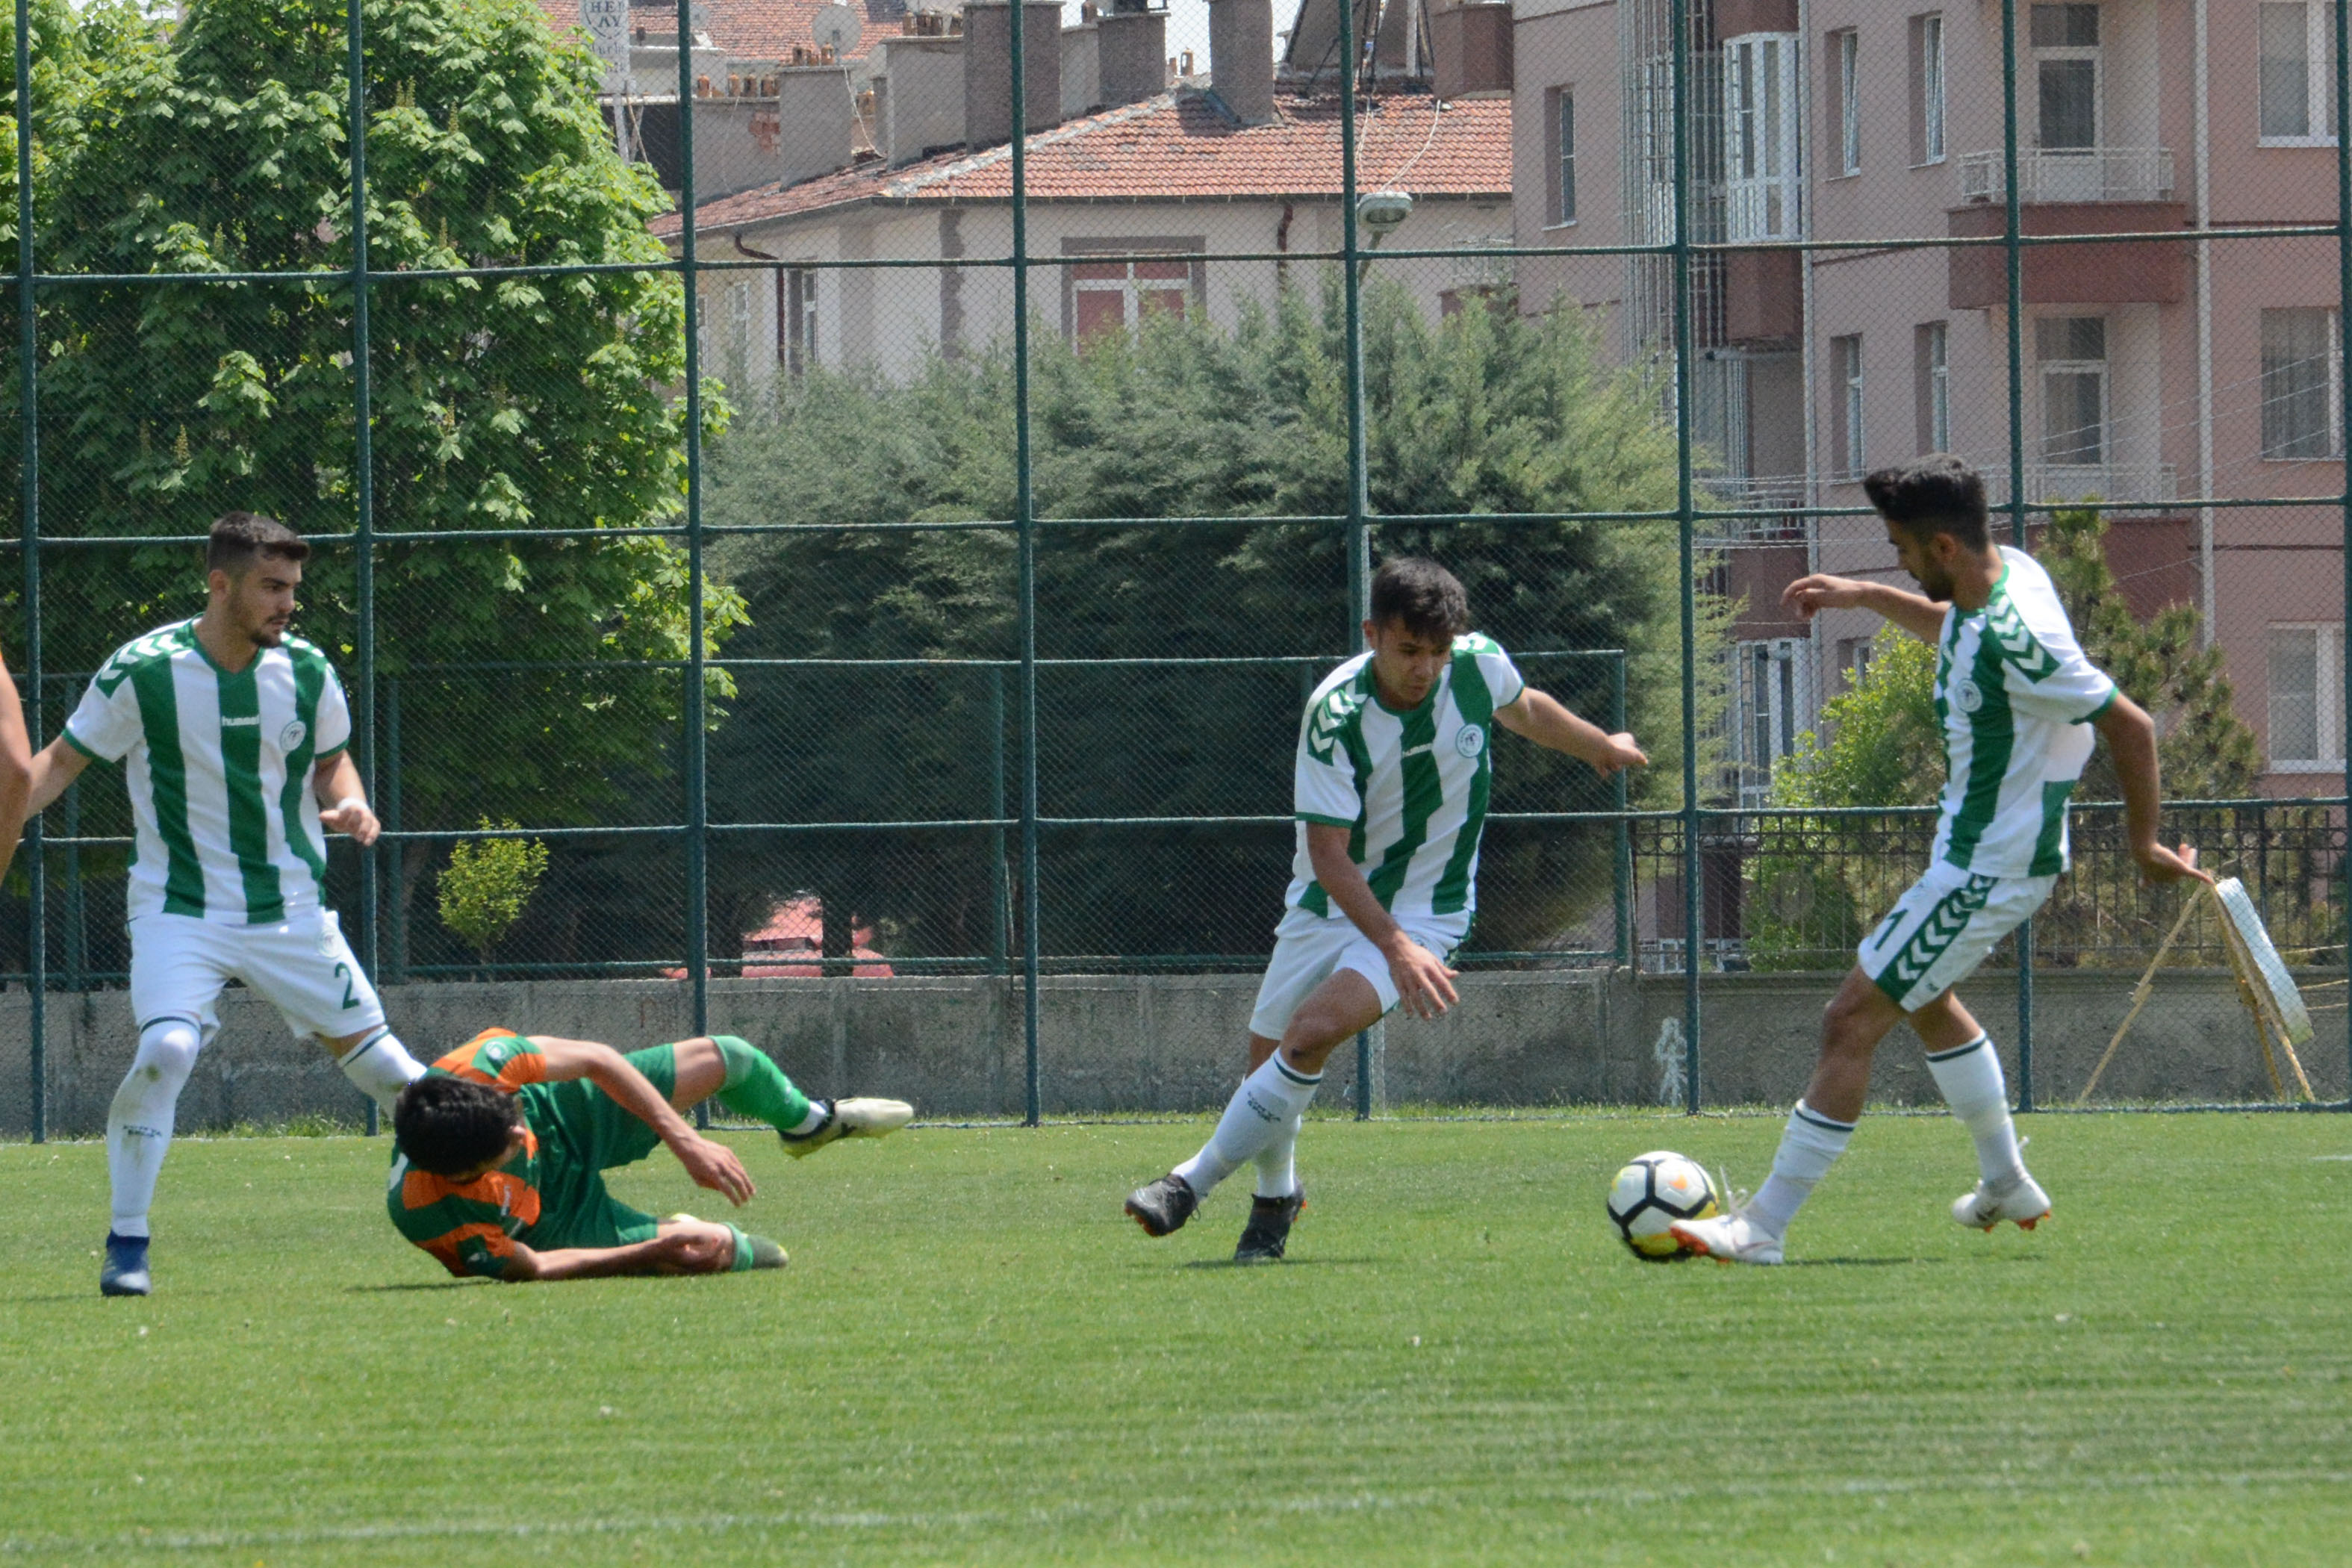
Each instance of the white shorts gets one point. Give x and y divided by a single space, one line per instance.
1308 949
1943 927
179 963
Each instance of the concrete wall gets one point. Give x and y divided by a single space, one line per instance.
1116 1043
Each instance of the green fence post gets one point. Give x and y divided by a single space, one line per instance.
1693 870
2014 253
1025 520
1000 892
76 936
698 803
363 492
397 964
37 956
1360 505
2344 302
1621 860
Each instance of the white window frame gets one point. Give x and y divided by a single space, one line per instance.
2046 368
1845 366
800 324
2096 54
1563 157
739 331
1771 694
2334 357
2327 688
2319 68
1936 379
1932 138
1849 66
1762 147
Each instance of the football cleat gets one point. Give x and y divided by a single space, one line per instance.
1729 1239
2018 1198
1269 1231
850 1118
766 1254
1164 1205
124 1272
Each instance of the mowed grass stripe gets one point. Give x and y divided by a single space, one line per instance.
976 1358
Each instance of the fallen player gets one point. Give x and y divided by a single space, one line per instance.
500 1150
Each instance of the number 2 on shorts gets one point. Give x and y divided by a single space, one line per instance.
343 971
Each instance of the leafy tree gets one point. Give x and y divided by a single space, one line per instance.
1491 412
218 145
487 883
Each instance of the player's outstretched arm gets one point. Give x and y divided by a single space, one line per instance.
2130 735
1543 719
55 768
1424 985
15 767
711 1165
342 801
697 1250
1915 613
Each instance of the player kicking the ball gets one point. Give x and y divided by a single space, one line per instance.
2017 701
233 738
1391 782
500 1150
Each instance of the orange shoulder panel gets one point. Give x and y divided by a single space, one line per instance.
497 1242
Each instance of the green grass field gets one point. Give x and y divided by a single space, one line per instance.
974 1358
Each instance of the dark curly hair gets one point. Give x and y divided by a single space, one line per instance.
449 1126
1423 597
1937 494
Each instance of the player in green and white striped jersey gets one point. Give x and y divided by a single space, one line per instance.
233 738
2017 701
1391 782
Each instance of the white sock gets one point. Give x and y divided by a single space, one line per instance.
381 1067
1809 1147
1278 1170
139 1122
1265 1106
1972 1085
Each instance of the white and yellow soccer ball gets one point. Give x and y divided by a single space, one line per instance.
1650 1194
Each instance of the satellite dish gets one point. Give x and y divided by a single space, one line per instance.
836 27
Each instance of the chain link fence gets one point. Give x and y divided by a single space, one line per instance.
918 569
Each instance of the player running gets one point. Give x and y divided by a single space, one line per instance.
2013 694
1392 776
232 735
500 1150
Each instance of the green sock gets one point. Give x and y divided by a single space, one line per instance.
757 1088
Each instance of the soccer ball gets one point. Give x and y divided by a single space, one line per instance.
1652 1191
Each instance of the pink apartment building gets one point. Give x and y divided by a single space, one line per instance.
2157 375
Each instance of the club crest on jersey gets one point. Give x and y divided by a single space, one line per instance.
1469 740
1968 695
290 738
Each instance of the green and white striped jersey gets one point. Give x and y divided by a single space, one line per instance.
1409 787
218 766
2015 696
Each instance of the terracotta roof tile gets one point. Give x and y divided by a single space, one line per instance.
753 29
1179 147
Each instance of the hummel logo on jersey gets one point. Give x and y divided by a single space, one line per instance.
251 721
2023 648
1940 930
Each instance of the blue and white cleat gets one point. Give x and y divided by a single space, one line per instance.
124 1272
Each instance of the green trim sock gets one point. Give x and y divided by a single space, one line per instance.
743 1260
757 1088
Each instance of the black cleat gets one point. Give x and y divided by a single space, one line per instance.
124 1273
1164 1205
1269 1231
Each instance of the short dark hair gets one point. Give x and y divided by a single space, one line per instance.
1937 494
452 1125
241 538
1423 596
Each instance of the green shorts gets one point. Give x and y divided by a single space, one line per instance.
582 1133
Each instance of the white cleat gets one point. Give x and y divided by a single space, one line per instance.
2018 1198
851 1119
1731 1238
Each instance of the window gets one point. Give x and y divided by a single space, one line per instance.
2298 72
1853 656
1927 88
1845 426
1560 115
1099 296
2303 384
2073 355
1846 49
1762 181
1772 698
798 318
739 333
2066 41
1935 387
2306 708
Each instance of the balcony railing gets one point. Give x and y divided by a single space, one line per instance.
2071 174
2134 486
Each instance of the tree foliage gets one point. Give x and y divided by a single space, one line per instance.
1490 413
487 883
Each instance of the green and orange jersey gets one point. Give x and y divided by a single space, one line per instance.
472 1227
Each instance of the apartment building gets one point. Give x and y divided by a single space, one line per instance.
2157 374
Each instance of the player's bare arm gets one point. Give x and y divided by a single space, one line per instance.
2130 735
1424 984
1542 718
711 1165
52 773
342 800
683 1247
15 767
1915 613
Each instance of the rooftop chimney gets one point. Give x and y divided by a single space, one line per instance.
1241 57
987 69
918 95
813 115
1471 46
1131 49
